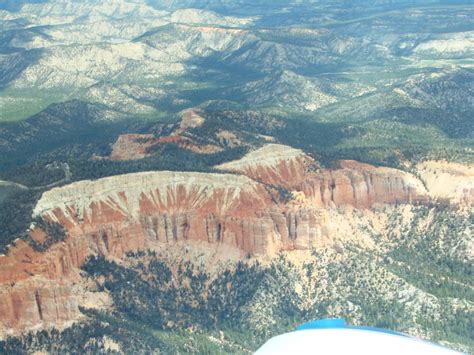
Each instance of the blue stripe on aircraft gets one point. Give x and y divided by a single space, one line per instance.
338 323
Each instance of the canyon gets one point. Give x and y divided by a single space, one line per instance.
276 198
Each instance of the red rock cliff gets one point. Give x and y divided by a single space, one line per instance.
357 184
242 211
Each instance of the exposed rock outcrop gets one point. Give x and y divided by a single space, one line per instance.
132 146
357 184
139 146
241 213
191 118
115 215
128 212
448 182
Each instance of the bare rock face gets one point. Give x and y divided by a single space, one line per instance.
241 213
448 182
37 301
191 118
115 215
273 164
129 212
138 146
132 146
356 184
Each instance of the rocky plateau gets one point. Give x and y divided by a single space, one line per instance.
243 210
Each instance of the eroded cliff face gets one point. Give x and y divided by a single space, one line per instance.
126 212
133 212
231 214
356 184
139 146
449 182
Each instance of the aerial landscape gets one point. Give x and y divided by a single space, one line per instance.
198 176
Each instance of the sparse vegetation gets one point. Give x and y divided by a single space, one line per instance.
388 83
184 308
53 233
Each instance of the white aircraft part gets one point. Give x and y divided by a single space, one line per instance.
349 341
